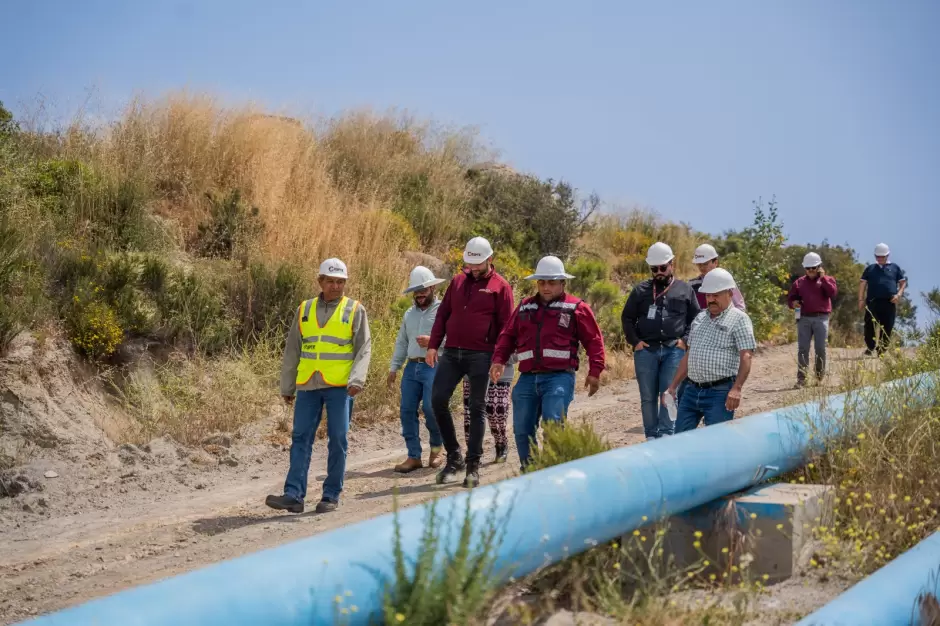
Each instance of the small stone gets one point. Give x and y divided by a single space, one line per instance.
200 486
51 474
229 460
255 477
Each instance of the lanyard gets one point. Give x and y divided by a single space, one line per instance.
668 287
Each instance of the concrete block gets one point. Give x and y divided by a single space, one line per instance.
764 530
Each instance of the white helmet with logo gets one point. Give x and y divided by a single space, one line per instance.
717 280
659 254
812 260
334 268
704 253
882 250
549 268
477 251
422 278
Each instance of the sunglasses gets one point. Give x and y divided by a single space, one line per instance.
658 268
815 268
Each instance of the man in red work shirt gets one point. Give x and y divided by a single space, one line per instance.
544 332
475 308
811 297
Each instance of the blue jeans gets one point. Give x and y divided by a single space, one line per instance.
655 368
416 383
308 409
697 403
545 395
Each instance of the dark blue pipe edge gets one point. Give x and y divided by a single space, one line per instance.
555 513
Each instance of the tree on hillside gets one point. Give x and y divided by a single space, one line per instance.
529 215
8 125
756 258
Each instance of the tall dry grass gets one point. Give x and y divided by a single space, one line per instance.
326 188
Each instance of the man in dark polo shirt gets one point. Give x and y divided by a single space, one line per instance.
879 292
656 321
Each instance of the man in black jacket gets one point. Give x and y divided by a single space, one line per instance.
656 322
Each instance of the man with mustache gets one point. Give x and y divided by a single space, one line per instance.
418 378
721 344
656 320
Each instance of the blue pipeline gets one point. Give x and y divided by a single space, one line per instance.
548 515
889 596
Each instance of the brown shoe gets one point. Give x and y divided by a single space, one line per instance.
408 465
436 459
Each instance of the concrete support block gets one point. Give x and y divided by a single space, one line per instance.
764 529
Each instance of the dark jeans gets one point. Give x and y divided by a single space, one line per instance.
879 316
308 410
453 364
697 403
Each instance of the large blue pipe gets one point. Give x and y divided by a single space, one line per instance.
549 515
889 596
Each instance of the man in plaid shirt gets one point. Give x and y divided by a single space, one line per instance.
721 344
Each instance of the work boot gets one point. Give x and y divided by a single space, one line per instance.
408 465
436 458
472 479
454 465
501 453
285 503
327 505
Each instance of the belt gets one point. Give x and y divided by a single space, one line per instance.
713 383
814 314
416 359
567 371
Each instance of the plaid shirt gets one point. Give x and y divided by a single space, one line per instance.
715 344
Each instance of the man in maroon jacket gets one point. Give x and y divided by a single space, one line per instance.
475 308
544 332
811 296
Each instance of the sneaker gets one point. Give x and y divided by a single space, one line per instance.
454 465
869 352
501 453
472 479
408 465
285 503
436 458
327 505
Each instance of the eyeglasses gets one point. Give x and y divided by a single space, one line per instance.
815 268
659 268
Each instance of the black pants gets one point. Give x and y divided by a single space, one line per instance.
452 366
879 316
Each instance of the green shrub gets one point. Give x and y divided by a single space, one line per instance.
193 309
21 281
444 587
563 442
94 328
233 227
263 301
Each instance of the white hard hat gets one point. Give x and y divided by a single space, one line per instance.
422 278
882 250
549 268
478 250
704 253
812 260
659 254
716 281
333 268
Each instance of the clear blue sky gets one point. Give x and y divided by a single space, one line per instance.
693 108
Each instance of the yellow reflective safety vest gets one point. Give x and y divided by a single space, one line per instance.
328 349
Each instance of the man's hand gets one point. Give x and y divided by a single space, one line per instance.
734 399
861 306
288 400
423 340
682 345
431 358
353 391
592 384
640 346
496 372
821 271
390 379
895 298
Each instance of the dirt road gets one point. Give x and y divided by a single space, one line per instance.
131 516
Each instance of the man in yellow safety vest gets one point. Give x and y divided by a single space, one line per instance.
326 359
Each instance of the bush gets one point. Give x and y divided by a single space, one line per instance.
193 309
20 284
94 328
233 227
263 300
566 442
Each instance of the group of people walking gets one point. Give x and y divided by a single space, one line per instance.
692 347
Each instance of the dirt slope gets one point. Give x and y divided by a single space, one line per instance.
125 516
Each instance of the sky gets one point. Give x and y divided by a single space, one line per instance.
692 109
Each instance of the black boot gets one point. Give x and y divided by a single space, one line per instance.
285 503
472 479
501 453
454 465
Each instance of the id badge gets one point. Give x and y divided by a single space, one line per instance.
651 314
